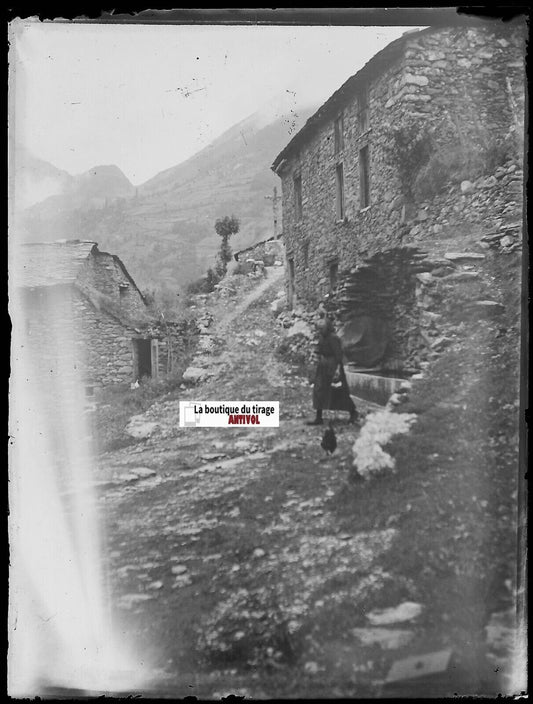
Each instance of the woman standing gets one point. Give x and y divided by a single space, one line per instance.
330 388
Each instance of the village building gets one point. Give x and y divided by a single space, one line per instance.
365 173
83 312
268 252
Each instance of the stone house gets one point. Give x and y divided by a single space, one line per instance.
359 178
81 310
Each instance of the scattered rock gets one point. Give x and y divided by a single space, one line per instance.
128 601
386 638
507 241
182 581
155 585
467 187
409 78
407 611
194 374
489 306
258 552
300 327
138 427
457 256
179 569
143 472
395 400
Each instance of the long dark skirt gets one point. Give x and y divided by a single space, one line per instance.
324 395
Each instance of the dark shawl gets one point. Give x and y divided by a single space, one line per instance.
329 350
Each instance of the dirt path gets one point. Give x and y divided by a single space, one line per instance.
272 280
232 568
222 550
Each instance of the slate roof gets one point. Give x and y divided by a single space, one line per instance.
50 263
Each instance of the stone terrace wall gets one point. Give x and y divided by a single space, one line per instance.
463 85
267 252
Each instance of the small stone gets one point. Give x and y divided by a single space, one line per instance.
259 552
507 241
311 668
489 305
386 638
128 601
467 187
193 374
409 78
456 256
179 569
143 472
407 611
155 585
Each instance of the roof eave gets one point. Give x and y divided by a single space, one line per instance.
340 97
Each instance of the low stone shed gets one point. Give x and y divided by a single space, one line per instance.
80 310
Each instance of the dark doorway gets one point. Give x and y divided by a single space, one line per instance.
333 275
291 283
143 358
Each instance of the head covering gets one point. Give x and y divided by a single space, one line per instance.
328 325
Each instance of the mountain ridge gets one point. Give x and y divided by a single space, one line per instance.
163 229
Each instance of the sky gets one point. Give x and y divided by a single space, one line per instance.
147 97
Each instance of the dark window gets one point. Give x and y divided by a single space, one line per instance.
339 134
339 177
291 283
363 109
298 197
333 275
364 177
305 254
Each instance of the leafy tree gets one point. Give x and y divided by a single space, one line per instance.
225 227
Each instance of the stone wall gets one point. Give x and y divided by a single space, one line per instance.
103 272
67 336
465 233
268 252
463 87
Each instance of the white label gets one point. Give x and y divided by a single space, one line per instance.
229 414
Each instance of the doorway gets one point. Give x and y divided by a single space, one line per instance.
145 355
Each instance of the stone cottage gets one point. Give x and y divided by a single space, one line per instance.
81 310
433 109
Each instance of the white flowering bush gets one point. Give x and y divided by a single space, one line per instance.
369 455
